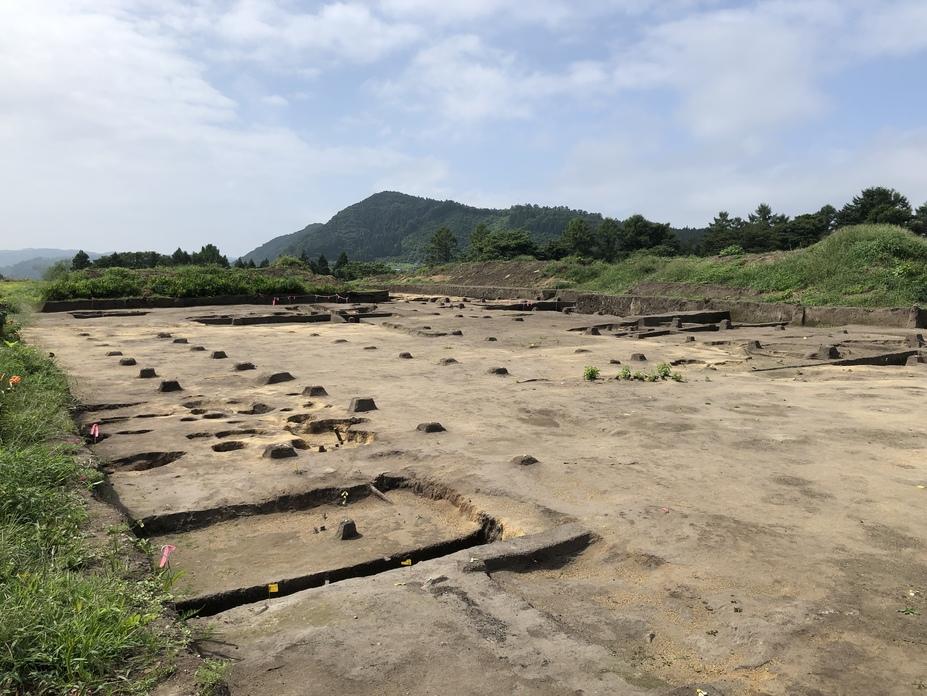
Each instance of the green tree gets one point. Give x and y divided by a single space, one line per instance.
80 261
724 231
919 222
763 231
442 247
341 262
181 257
608 239
637 232
579 238
321 266
209 255
876 204
478 242
504 244
804 230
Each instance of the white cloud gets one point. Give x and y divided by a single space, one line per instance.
893 29
462 80
737 73
112 137
613 175
275 100
271 33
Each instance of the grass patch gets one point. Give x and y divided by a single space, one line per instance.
72 617
186 281
861 266
210 677
660 373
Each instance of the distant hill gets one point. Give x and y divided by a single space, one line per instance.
392 225
278 245
32 263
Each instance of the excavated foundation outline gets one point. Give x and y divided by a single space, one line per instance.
489 531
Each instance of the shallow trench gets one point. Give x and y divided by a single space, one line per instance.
489 530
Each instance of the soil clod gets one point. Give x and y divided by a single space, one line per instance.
279 451
277 378
361 404
347 530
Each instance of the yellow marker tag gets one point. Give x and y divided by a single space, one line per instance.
272 587
408 561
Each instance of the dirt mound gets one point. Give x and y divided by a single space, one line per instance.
693 290
517 274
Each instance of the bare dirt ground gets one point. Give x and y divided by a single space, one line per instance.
755 531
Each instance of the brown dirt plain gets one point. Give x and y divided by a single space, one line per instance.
755 532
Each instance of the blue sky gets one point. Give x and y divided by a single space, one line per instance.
136 124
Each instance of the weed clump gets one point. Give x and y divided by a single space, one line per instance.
661 372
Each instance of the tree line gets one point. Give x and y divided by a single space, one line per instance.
208 255
762 230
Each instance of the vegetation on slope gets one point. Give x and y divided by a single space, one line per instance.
863 265
398 226
186 281
72 617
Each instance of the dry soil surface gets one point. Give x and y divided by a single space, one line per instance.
757 531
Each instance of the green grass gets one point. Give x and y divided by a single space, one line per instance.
211 676
863 266
183 281
72 618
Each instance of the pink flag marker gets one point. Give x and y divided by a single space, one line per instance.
95 431
166 552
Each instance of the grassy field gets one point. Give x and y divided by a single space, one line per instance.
863 266
186 281
74 616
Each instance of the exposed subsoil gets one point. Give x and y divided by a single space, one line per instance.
747 531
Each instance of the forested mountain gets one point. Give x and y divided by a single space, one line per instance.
391 225
278 245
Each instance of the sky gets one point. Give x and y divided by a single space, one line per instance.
152 124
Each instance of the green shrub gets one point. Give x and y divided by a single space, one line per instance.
732 250
211 676
183 281
590 374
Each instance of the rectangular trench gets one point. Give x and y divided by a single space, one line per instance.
472 528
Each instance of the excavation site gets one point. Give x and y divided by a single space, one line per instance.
426 494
